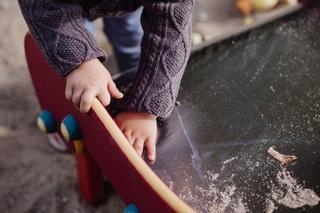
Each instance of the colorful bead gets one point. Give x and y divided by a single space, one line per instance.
78 146
131 209
70 128
46 122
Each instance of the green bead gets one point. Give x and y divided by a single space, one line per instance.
46 122
70 128
131 209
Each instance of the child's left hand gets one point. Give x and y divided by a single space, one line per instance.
141 131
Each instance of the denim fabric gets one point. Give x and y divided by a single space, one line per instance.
125 34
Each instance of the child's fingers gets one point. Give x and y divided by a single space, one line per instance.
128 135
104 97
151 150
114 91
138 145
68 92
86 100
76 97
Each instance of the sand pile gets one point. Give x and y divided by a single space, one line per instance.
212 195
220 192
288 192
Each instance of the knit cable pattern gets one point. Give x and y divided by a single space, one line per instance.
165 49
58 31
57 28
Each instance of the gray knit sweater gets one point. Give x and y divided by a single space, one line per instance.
57 27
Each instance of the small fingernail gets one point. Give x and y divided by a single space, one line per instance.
151 159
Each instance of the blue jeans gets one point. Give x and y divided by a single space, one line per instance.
125 34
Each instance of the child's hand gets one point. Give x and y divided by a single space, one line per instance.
141 131
89 80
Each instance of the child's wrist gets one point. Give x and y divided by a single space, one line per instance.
148 115
89 62
141 114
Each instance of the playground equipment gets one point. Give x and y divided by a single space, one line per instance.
238 98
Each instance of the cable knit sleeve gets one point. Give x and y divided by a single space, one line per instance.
60 34
165 50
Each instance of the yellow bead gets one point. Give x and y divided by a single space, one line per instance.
78 147
41 125
64 132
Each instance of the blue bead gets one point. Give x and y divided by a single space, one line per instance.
70 128
46 122
131 209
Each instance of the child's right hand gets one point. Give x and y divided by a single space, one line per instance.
89 80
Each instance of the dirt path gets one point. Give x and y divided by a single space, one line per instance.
33 177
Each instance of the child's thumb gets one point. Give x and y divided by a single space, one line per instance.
114 91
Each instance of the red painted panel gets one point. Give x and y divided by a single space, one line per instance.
130 185
90 178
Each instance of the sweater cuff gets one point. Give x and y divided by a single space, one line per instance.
68 68
165 50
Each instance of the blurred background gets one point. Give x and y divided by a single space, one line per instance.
33 176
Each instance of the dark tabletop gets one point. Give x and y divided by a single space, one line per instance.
238 98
